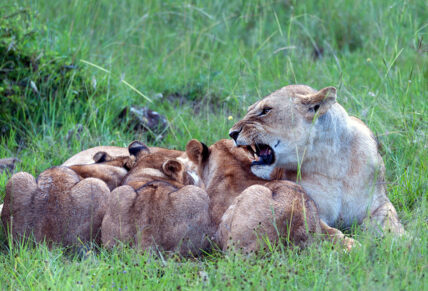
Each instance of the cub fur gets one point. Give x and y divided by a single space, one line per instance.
243 206
106 169
64 205
121 158
58 207
297 127
87 156
158 206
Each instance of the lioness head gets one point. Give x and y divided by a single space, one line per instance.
278 130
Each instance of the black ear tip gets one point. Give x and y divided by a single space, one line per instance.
205 151
135 147
100 157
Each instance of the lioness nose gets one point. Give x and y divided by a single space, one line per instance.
234 134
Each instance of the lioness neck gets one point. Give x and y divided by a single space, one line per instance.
328 140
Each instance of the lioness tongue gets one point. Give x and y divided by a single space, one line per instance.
265 152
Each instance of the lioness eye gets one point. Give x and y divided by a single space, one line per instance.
265 111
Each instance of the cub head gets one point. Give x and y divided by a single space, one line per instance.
162 164
279 129
198 153
223 162
110 169
105 158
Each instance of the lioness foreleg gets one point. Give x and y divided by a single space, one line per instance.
385 216
337 236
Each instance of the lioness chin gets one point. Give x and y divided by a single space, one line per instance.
332 155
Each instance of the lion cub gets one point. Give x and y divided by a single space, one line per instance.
64 205
247 209
158 205
59 207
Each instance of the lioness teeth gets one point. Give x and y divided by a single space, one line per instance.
250 151
253 147
260 153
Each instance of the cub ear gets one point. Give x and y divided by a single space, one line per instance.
129 163
197 151
137 147
318 103
101 157
172 168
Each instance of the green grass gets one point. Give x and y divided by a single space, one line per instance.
220 57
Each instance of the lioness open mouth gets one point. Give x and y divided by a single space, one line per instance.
262 153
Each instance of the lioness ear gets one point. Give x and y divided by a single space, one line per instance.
197 151
172 168
137 147
101 157
317 103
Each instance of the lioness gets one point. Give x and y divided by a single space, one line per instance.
243 206
333 156
158 205
58 207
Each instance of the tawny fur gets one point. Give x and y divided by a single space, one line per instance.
156 209
341 168
59 207
120 157
111 175
243 206
279 211
110 169
87 156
